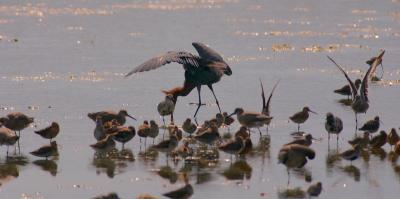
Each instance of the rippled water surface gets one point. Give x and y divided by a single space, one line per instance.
63 59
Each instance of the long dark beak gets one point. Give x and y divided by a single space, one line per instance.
231 114
131 117
313 112
228 70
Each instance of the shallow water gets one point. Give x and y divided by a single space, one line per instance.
63 59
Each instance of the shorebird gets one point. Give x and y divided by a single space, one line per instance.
124 134
295 156
371 126
16 121
218 120
99 131
360 101
209 136
346 89
189 127
233 147
228 120
397 148
251 119
242 132
49 132
379 140
205 69
266 106
7 137
105 144
393 138
181 193
167 146
108 196
154 130
167 107
362 141
110 115
46 151
305 140
315 189
351 154
177 132
301 117
333 125
144 131
183 151
379 62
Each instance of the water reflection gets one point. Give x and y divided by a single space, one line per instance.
379 152
168 173
239 170
291 193
47 165
352 171
8 172
108 162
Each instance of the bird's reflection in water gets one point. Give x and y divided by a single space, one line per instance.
19 160
352 171
111 160
379 152
302 173
393 157
239 170
332 160
345 101
149 156
365 155
8 172
207 158
47 165
291 193
168 173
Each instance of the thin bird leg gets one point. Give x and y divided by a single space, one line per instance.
198 105
172 117
298 127
7 150
288 178
356 123
163 119
123 145
267 129
259 131
216 100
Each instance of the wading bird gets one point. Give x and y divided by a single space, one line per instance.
49 132
360 102
266 107
110 115
333 125
301 117
371 61
205 69
7 137
16 121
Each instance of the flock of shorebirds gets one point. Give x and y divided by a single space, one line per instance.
207 68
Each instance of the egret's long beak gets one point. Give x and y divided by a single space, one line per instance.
230 115
131 117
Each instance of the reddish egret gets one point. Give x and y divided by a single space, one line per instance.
205 69
360 102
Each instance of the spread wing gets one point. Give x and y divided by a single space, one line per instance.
188 60
364 84
206 52
352 86
264 108
372 60
269 98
